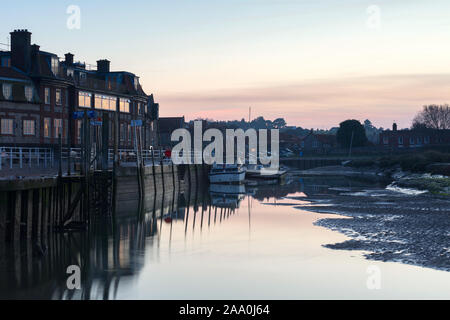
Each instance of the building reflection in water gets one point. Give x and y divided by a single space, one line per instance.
111 250
114 249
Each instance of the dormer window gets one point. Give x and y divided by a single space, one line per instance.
82 77
29 93
136 83
70 73
55 65
7 91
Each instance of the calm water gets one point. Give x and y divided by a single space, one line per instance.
202 245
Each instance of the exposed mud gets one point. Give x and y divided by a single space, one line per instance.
394 224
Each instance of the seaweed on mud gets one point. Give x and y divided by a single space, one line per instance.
407 229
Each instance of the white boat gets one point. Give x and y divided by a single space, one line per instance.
227 173
266 173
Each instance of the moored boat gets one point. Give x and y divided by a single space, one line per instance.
227 173
266 173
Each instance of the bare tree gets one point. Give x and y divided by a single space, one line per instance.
433 116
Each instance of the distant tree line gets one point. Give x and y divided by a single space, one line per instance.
433 117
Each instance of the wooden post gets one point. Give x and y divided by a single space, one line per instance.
16 220
29 226
45 215
105 142
60 155
3 217
69 144
86 160
37 218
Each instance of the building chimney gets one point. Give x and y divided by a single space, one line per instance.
394 127
103 66
69 59
21 50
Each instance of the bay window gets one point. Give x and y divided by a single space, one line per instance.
84 99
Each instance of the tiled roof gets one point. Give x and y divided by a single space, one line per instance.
6 72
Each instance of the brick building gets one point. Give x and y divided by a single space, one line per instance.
167 126
39 94
315 143
414 138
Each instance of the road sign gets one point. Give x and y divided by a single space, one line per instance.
78 115
96 123
136 123
92 114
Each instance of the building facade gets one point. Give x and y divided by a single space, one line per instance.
166 126
414 138
39 95
315 143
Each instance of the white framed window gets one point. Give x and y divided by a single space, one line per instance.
55 65
29 127
58 127
7 91
105 102
7 126
29 93
58 97
47 96
47 127
124 105
84 99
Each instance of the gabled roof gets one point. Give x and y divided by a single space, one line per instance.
11 73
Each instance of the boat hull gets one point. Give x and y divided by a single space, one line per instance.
232 177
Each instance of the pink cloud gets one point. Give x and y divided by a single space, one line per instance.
318 104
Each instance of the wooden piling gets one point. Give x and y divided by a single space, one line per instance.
29 217
16 219
3 217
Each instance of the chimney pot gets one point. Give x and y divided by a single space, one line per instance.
21 49
103 66
69 59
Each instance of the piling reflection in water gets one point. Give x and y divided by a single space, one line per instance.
107 252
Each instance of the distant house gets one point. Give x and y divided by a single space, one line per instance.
414 138
166 126
318 143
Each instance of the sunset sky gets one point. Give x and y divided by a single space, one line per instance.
313 62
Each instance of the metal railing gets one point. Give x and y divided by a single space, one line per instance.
13 157
30 157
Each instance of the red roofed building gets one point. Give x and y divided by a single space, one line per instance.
315 143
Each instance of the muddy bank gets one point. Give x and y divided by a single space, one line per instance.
344 171
433 183
389 225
